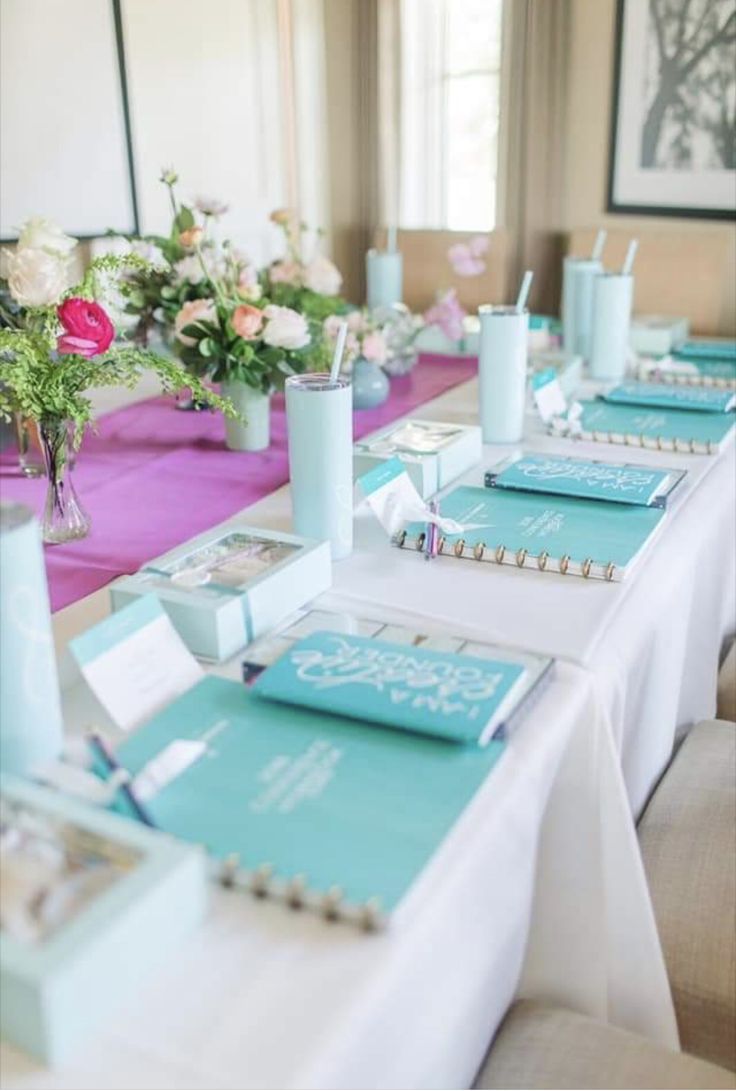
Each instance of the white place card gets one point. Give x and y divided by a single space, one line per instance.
135 662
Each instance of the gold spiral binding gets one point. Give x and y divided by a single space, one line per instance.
419 544
709 447
564 563
587 565
229 870
521 557
692 446
401 538
659 442
296 891
370 915
330 904
478 550
458 547
610 569
441 544
260 880
500 554
542 560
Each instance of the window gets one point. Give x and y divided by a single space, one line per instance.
450 81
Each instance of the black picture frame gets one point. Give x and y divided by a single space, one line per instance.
117 19
643 208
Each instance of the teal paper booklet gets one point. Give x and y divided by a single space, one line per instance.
698 399
558 475
679 430
455 697
321 811
559 534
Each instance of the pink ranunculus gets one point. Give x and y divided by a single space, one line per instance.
466 258
88 330
247 322
447 313
374 347
285 272
194 310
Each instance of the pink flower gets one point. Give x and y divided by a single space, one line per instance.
374 347
191 238
88 329
284 272
247 322
195 310
248 286
466 257
447 313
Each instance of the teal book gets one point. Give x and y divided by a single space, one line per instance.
706 349
454 696
660 429
560 534
557 475
317 810
660 396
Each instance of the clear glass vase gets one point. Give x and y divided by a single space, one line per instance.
64 518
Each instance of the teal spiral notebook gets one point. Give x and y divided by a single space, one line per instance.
456 697
659 396
559 475
679 430
322 811
559 534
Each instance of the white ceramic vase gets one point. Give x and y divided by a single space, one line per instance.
255 434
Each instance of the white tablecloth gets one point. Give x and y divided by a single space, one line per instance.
265 997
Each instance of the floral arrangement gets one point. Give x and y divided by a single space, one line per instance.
311 286
258 343
175 274
57 342
365 337
447 312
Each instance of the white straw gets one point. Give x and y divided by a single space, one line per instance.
392 239
342 333
629 259
600 242
524 290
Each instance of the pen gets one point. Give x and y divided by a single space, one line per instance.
112 765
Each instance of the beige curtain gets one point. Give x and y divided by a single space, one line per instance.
531 152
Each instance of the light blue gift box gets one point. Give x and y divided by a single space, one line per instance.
430 471
216 621
432 339
55 993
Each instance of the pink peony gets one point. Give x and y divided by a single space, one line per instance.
195 310
247 322
285 272
374 347
447 313
466 258
88 330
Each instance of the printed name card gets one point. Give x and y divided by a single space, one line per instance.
135 662
547 394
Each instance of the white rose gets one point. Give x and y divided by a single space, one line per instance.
189 269
37 278
285 329
41 234
322 276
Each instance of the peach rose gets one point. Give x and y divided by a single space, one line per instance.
195 310
191 238
247 322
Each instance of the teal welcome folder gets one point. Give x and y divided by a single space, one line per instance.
558 534
319 809
664 396
454 696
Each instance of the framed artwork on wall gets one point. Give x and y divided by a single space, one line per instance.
673 118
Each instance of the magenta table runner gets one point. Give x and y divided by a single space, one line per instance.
152 477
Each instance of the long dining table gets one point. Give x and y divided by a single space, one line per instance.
538 890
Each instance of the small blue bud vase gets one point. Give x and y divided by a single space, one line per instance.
370 384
